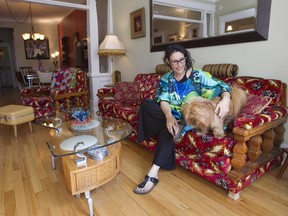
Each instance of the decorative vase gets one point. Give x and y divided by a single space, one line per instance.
80 116
40 65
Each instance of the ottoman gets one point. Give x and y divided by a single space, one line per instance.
15 115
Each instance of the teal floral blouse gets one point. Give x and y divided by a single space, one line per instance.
176 93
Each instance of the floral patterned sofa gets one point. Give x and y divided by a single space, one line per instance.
68 89
247 152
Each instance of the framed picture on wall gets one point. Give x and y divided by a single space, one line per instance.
137 23
37 49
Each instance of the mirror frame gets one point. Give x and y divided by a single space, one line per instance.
261 32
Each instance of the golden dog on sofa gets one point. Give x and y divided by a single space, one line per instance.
200 112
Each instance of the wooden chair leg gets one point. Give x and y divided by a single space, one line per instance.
284 166
15 130
30 126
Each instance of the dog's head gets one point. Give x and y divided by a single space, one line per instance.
198 113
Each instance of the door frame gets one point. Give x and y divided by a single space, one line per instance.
12 61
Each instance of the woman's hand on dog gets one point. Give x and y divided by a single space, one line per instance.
223 106
172 124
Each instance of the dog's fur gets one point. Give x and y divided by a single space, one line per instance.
200 112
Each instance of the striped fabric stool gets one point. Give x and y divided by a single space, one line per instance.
15 115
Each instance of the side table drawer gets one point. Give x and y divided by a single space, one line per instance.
95 176
97 173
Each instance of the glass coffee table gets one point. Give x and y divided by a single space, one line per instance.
67 138
90 153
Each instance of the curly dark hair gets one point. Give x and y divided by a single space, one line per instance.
172 48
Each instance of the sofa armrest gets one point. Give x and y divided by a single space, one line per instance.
106 92
256 146
35 91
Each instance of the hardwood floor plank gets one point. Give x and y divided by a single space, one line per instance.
122 198
100 198
20 200
30 197
36 140
62 195
10 204
33 174
17 153
8 173
267 201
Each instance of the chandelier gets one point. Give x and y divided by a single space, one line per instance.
32 35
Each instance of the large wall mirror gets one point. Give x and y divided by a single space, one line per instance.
200 23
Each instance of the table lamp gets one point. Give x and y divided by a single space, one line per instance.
111 46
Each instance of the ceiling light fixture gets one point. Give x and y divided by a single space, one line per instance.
32 35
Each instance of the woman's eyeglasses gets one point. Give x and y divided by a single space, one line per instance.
181 61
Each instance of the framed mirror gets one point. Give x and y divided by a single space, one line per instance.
201 23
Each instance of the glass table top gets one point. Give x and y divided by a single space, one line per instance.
68 138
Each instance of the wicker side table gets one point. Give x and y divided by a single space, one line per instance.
96 173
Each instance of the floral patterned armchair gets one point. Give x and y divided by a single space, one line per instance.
68 90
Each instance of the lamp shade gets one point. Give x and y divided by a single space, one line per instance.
111 46
229 27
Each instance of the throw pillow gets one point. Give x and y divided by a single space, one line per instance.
255 104
127 91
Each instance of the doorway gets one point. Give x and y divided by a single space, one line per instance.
7 74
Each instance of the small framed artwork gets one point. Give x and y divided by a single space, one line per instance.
37 49
137 23
158 37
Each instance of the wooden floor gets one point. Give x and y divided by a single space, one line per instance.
28 185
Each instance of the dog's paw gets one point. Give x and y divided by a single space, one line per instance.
218 134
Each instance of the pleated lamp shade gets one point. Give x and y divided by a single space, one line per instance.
111 46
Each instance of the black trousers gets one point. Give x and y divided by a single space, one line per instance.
152 122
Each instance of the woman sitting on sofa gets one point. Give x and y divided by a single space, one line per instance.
161 116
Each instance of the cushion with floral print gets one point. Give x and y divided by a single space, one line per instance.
255 104
259 86
127 91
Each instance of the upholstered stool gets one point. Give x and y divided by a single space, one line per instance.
15 115
285 164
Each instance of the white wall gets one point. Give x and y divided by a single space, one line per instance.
50 31
266 59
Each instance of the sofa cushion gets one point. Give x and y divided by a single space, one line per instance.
148 84
127 110
204 164
267 115
193 144
255 104
127 91
259 86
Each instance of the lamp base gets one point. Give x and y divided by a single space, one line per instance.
116 77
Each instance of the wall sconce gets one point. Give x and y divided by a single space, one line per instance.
55 59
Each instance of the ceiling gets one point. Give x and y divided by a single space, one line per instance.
40 13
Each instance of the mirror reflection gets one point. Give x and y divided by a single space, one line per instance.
196 19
